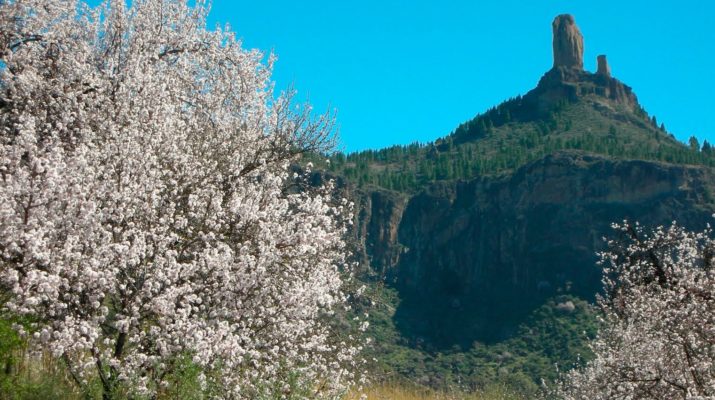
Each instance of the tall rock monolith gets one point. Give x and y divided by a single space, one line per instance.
568 43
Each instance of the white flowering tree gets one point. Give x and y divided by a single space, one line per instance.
146 208
658 340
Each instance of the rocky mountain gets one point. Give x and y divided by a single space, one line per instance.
479 229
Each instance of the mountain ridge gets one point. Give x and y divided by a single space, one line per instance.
476 234
569 108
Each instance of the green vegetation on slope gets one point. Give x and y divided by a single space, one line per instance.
554 337
405 391
494 142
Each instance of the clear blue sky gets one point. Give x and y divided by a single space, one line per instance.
404 71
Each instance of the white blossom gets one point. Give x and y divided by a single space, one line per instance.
146 209
658 340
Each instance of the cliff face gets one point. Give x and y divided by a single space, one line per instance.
378 218
540 226
472 258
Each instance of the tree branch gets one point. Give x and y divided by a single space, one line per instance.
29 39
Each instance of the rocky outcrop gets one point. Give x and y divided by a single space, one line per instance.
378 218
567 84
568 81
465 255
603 68
568 43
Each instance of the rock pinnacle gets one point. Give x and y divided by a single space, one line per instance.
603 67
568 43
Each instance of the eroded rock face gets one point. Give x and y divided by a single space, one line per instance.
571 84
476 256
603 67
379 216
568 43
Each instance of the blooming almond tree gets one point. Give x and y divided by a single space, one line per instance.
147 212
659 308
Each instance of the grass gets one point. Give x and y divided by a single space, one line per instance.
42 377
396 391
37 376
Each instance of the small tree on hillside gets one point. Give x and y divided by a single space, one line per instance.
145 208
659 310
694 144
